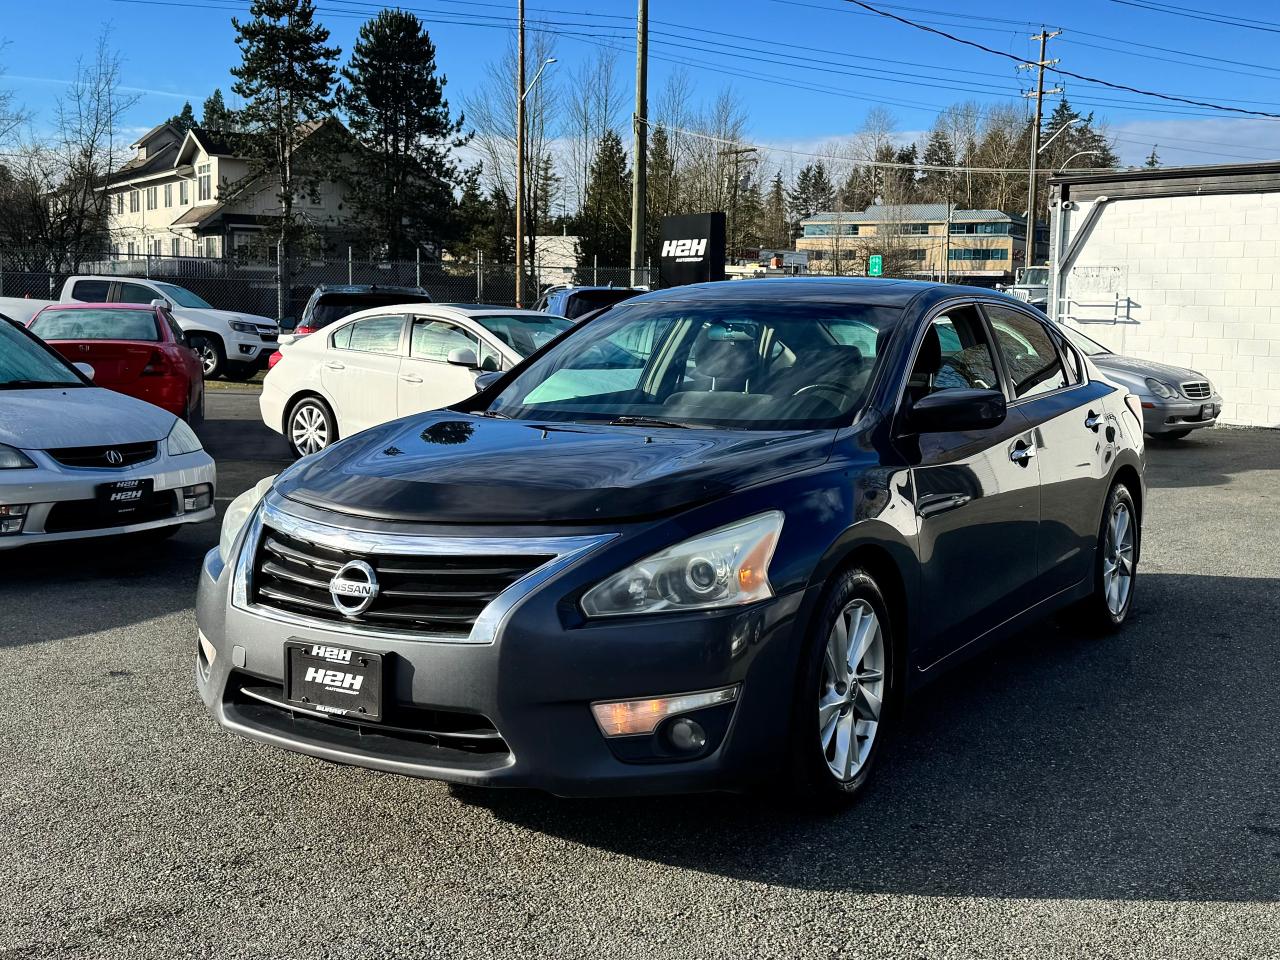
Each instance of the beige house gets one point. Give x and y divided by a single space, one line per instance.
191 195
924 240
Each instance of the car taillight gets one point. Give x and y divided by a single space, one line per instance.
274 359
303 331
157 366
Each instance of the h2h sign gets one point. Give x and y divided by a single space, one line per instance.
692 249
875 265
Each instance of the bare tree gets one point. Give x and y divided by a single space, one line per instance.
593 104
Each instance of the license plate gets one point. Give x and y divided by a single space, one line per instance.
334 680
1207 412
122 497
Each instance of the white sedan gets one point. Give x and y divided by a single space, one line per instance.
79 461
388 362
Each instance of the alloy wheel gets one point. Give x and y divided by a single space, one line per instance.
208 357
1117 559
309 429
851 694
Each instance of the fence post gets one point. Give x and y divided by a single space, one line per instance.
1 274
147 269
417 266
479 277
595 270
350 264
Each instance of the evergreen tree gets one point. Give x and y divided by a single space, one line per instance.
604 223
286 79
936 185
858 190
1153 159
774 226
483 223
184 120
214 115
812 193
661 195
393 96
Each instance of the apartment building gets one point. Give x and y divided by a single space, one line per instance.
191 194
923 240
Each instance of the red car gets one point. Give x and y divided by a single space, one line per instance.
135 349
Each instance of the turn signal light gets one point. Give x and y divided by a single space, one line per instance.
11 517
629 718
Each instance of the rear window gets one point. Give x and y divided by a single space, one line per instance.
90 291
523 333
584 301
96 325
332 307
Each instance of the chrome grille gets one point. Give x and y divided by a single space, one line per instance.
441 595
1197 390
110 457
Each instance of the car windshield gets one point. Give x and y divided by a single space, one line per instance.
524 333
1090 348
581 302
334 306
27 365
753 366
182 296
97 324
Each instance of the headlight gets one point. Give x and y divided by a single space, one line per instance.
1161 389
238 513
240 326
723 568
11 458
182 439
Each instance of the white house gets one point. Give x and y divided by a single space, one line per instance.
191 195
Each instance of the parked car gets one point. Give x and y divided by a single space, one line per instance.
135 350
1175 400
77 460
577 302
722 566
230 344
384 363
330 303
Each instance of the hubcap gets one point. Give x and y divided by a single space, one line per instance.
208 358
309 431
852 689
1117 559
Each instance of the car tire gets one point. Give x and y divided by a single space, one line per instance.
837 700
1115 565
310 426
240 372
208 351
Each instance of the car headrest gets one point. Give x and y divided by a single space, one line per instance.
726 359
929 360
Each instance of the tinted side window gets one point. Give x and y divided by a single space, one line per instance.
1029 352
90 291
374 335
135 293
954 354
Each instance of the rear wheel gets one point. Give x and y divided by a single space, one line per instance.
209 352
310 426
846 689
1115 568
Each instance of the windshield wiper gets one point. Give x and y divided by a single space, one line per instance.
629 421
36 385
492 414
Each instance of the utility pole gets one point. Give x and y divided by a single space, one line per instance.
639 165
1044 36
520 91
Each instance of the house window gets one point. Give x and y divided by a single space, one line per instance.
119 203
153 196
990 229
979 253
916 253
135 203
168 194
131 250
204 182
830 230
183 196
175 247
910 229
156 249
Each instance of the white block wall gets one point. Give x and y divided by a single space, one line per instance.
1203 277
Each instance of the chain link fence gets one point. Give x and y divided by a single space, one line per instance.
251 287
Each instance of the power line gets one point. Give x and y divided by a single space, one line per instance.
1267 26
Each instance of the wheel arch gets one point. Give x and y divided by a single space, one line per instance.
307 394
1127 474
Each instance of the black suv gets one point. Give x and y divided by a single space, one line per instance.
332 302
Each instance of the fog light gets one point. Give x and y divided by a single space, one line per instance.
206 648
198 497
247 348
686 734
11 517
628 718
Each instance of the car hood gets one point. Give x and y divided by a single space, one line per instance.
1114 363
78 417
224 316
447 467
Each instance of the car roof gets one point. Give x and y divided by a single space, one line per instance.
367 288
460 310
98 306
874 291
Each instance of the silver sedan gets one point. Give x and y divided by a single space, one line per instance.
1175 400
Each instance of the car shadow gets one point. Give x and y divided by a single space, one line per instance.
1139 765
1211 457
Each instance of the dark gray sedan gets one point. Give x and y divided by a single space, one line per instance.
1175 400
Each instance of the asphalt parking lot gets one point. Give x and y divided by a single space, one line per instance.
1061 796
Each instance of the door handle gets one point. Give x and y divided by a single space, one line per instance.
410 378
335 365
1093 421
1022 455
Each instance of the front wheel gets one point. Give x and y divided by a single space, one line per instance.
311 427
846 689
209 352
1115 564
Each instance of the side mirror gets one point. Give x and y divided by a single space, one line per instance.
162 303
958 410
486 380
463 357
84 368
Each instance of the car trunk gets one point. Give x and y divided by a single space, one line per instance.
114 362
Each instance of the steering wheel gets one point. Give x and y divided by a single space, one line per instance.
841 390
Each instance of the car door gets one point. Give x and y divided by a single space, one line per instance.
1073 440
976 493
428 381
360 370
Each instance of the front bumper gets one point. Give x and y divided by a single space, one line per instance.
1169 416
51 491
532 685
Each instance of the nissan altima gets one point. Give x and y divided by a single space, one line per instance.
712 538
80 461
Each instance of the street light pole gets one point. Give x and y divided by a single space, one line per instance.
1044 36
639 165
520 157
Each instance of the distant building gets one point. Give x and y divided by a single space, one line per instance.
555 258
920 240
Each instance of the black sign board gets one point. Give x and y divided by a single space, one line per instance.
692 249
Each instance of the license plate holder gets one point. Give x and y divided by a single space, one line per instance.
337 681
123 497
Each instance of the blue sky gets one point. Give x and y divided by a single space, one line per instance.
808 70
